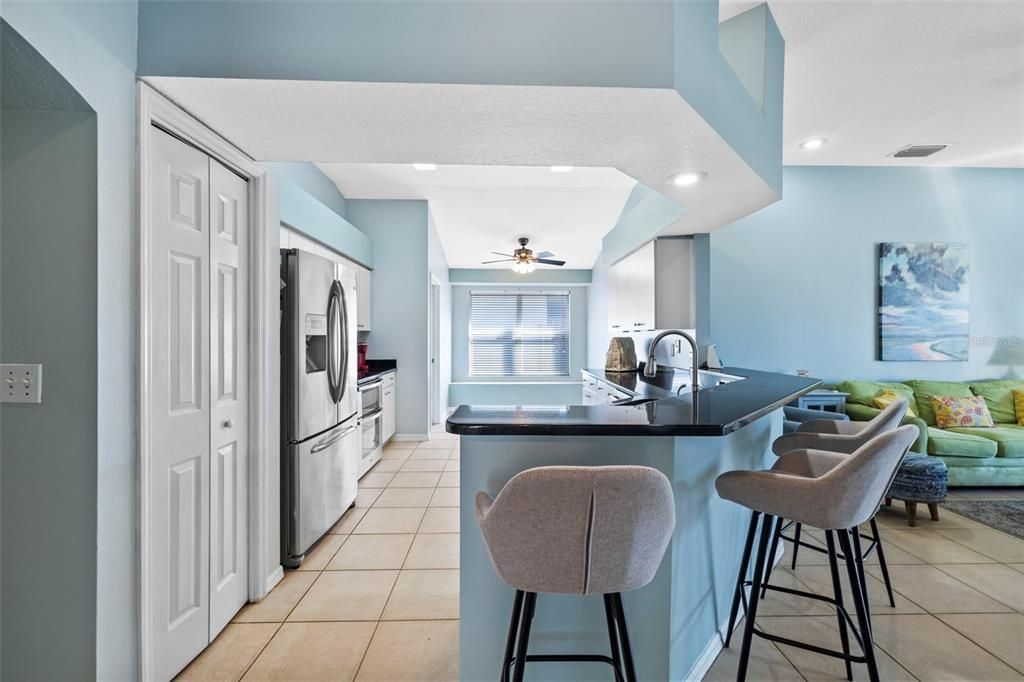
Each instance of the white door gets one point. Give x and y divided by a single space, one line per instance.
229 468
179 480
197 336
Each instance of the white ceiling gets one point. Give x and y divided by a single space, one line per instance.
479 209
647 134
875 76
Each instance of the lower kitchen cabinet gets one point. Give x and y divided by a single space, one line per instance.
388 406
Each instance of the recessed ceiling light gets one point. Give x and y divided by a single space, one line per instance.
561 169
813 143
425 166
687 178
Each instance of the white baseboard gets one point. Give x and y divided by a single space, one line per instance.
276 576
715 645
411 436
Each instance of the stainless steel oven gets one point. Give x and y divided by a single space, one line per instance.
371 410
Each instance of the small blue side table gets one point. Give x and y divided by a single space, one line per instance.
823 399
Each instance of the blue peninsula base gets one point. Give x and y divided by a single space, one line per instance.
676 622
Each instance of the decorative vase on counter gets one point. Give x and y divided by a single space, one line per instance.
621 356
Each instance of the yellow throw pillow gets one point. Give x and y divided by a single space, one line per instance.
885 398
952 411
1018 406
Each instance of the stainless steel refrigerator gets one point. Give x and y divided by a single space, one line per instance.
319 403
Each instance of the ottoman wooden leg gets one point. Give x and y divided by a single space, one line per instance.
888 502
911 512
933 509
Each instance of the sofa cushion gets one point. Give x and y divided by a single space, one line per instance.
999 397
925 390
889 396
1009 439
864 392
952 443
950 412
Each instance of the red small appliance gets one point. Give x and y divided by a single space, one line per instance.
361 349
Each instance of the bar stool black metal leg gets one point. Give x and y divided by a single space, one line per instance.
796 543
881 561
742 576
627 650
837 589
776 538
613 635
523 645
859 600
859 557
755 590
513 626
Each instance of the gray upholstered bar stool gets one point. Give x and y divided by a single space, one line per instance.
834 492
576 530
842 437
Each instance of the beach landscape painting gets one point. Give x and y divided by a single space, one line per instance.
923 302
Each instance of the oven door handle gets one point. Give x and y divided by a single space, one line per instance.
324 444
371 385
373 415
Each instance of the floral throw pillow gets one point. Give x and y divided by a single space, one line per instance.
886 398
1018 406
952 411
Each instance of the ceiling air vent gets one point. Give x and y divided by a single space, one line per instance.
918 151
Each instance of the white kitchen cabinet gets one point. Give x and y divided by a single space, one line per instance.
388 417
363 298
652 288
598 391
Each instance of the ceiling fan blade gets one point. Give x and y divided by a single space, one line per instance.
503 260
545 254
548 261
506 255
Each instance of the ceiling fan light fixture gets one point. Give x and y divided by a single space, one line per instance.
523 267
687 178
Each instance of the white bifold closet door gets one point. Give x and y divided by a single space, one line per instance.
198 334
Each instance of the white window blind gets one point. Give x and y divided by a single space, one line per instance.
519 334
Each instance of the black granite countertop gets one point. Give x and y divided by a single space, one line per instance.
377 368
714 411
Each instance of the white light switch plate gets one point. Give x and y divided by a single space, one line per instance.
21 383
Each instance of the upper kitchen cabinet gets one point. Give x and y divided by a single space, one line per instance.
363 297
653 288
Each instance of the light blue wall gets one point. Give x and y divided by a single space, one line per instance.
645 214
794 286
507 276
313 181
400 233
741 40
92 43
300 210
708 83
548 42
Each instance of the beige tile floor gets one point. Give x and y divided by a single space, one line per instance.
959 606
376 599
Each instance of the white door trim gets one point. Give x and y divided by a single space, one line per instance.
155 109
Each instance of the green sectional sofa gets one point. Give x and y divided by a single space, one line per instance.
975 456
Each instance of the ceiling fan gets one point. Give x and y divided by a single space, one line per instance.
524 260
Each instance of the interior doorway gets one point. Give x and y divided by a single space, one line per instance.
436 404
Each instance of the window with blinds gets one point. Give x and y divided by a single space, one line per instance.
519 334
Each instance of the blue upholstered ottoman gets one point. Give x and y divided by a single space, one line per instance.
920 479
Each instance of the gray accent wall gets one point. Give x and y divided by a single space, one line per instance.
48 300
92 44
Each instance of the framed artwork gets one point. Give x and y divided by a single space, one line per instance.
923 299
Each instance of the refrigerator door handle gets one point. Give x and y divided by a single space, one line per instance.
324 444
332 344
